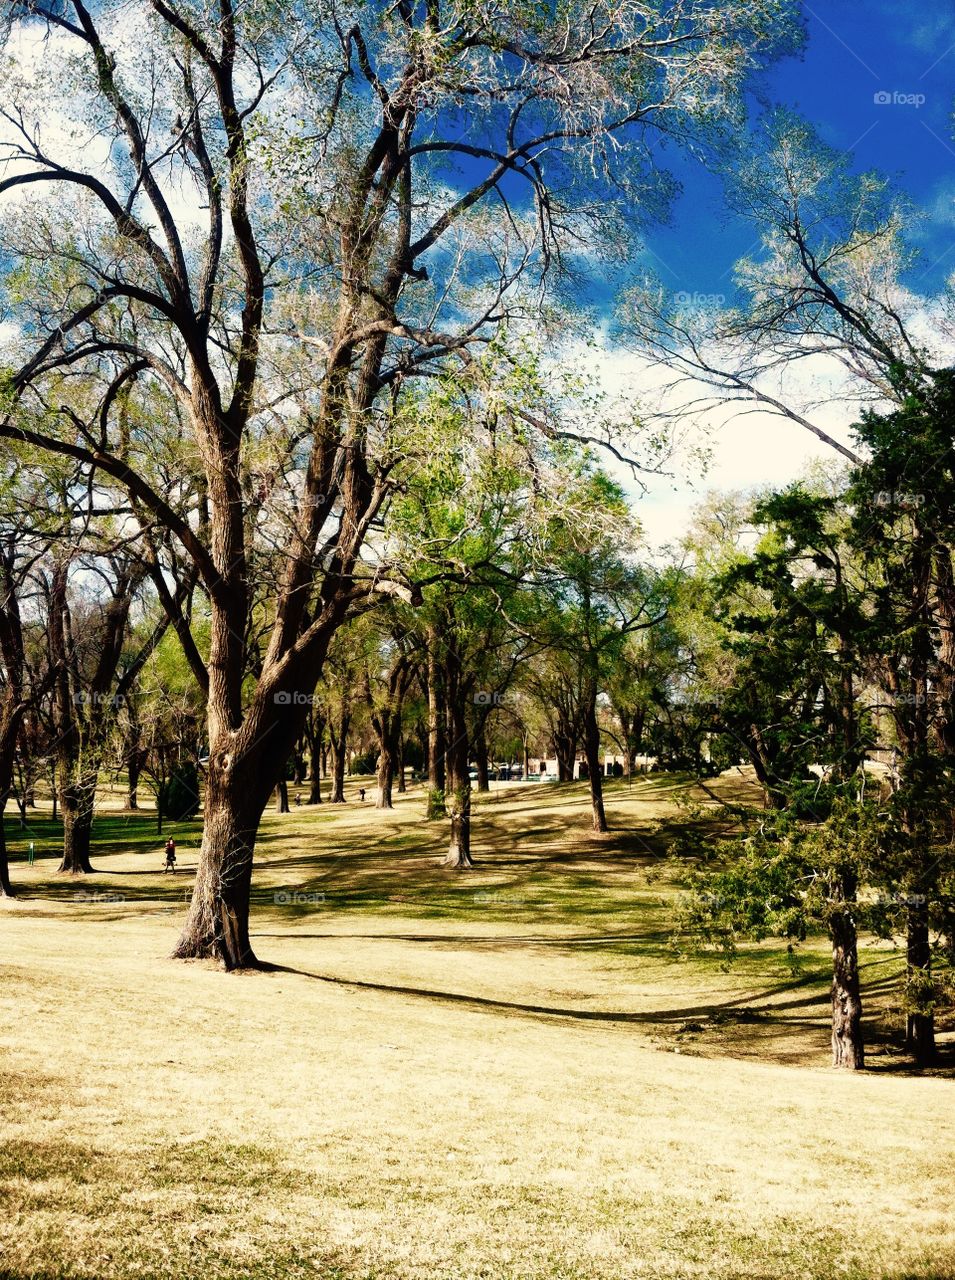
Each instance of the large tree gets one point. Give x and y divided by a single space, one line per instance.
325 255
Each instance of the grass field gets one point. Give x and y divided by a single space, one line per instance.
504 1074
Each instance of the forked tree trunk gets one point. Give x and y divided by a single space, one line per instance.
920 1022
848 1050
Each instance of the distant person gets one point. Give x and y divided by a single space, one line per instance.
361 793
170 856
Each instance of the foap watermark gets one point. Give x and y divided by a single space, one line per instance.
490 899
902 899
294 698
97 895
94 699
490 698
297 898
686 298
898 498
895 98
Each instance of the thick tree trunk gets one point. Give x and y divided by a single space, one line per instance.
458 787
315 792
136 759
565 749
848 1051
281 797
76 804
6 888
386 774
592 754
132 795
77 832
920 1022
217 927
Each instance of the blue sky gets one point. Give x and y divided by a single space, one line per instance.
856 50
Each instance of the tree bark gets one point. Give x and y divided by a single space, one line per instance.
6 888
385 774
281 797
565 749
218 923
134 767
338 739
592 754
848 1051
316 752
920 1023
315 791
76 804
437 761
480 758
458 792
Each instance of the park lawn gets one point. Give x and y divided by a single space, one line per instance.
499 1074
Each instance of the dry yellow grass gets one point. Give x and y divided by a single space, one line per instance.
447 1077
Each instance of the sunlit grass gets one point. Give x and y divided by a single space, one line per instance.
503 1074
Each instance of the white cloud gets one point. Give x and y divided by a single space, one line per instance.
750 448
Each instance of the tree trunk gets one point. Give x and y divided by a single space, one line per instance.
848 1051
920 1021
437 763
77 831
217 927
480 759
386 773
458 784
401 766
281 797
339 745
6 888
592 754
315 760
565 749
76 803
134 764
